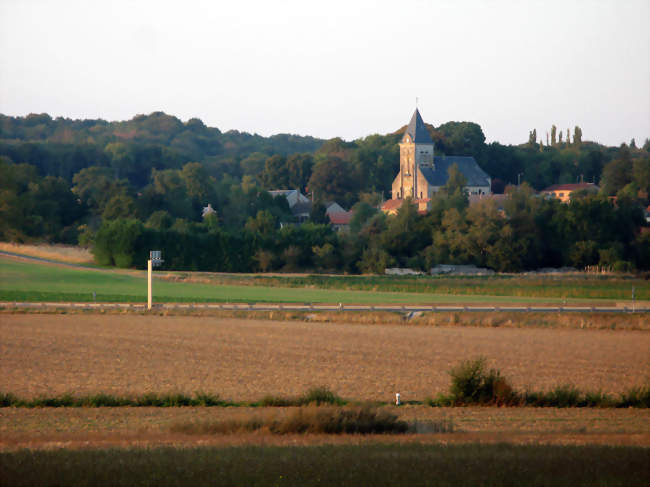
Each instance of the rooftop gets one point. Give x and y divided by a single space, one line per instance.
417 130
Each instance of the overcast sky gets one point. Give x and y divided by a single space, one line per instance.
335 68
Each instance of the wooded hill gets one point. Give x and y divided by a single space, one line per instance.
72 181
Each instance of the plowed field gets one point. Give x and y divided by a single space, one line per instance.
247 359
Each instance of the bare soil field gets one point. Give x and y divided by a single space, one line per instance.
247 359
127 427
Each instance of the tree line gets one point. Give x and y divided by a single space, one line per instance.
87 181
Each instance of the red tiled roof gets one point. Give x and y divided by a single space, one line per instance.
340 218
392 204
570 187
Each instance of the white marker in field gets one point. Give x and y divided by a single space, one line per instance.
154 260
397 399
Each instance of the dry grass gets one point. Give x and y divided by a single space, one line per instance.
62 253
83 428
248 359
592 321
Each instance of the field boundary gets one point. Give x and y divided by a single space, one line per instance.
407 309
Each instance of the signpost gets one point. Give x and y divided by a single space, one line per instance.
155 260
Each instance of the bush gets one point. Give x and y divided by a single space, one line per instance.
306 420
320 395
471 383
563 397
637 397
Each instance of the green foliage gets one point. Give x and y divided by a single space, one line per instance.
320 395
472 383
118 242
637 397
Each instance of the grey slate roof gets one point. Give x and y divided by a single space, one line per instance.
417 130
467 165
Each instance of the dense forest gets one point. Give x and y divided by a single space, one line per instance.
125 187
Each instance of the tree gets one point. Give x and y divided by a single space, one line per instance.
361 213
254 164
553 135
118 243
121 158
275 174
456 181
264 223
577 135
333 179
94 186
616 174
197 182
119 206
318 213
299 167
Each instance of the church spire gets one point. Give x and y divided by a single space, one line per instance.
417 130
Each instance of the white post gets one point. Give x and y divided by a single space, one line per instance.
398 400
149 266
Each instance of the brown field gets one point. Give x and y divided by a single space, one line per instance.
247 359
105 427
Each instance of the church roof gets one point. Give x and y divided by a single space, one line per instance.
417 130
466 165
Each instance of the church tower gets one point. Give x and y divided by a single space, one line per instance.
415 152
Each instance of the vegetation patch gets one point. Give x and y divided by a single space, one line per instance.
308 420
473 384
377 464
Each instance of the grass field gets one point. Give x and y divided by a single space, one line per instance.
30 281
247 359
571 286
369 464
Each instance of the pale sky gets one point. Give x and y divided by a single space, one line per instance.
335 68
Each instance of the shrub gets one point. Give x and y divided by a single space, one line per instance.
320 420
637 397
563 396
471 383
276 401
320 395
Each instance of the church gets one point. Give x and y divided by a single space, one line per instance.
422 173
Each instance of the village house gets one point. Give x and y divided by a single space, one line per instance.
299 204
563 191
422 174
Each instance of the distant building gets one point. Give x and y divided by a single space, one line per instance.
422 174
299 204
333 207
208 210
563 191
341 220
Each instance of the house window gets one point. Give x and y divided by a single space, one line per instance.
561 195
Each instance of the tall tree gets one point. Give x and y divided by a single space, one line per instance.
577 135
554 135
